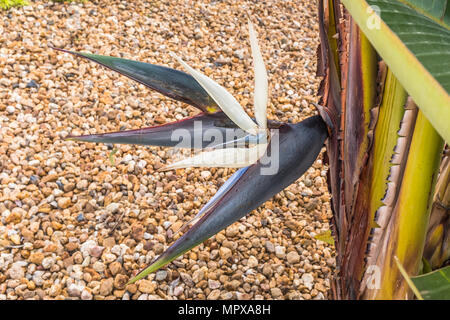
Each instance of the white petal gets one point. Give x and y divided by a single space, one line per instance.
261 91
223 98
226 158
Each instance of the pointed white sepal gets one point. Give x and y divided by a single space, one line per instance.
229 105
226 158
261 91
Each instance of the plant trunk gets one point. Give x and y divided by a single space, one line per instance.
383 157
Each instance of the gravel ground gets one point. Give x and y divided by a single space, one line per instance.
74 226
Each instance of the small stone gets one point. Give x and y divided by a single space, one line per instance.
48 262
69 187
319 296
131 288
270 247
82 184
161 275
112 208
36 257
64 202
37 278
187 279
137 232
308 280
293 257
15 216
225 253
213 284
205 175
242 296
96 251
15 238
120 281
34 226
73 290
55 290
71 246
98 266
331 262
226 296
10 109
147 286
276 292
232 231
16 272
280 251
178 291
106 286
232 285
115 267
267 270
252 262
86 295
109 242
198 275
32 84
290 195
214 295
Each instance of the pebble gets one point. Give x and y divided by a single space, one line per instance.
120 281
161 275
16 271
32 84
10 109
269 246
73 290
146 286
276 293
48 262
205 175
115 267
213 284
308 280
96 251
252 262
86 295
178 291
36 257
64 202
112 208
225 253
214 295
106 286
98 266
280 251
293 257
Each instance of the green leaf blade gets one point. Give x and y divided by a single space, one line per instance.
434 285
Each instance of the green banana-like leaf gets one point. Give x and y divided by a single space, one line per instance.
436 10
434 285
413 37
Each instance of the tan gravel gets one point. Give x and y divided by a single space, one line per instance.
73 225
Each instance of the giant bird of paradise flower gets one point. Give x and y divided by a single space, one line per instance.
298 144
